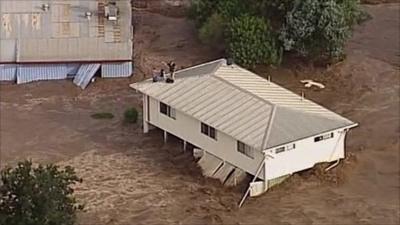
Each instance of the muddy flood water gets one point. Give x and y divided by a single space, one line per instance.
132 178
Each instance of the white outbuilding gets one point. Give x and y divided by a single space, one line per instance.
244 120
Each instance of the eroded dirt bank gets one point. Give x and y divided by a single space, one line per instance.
131 178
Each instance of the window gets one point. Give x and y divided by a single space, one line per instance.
280 149
323 137
285 148
290 147
245 149
209 131
167 110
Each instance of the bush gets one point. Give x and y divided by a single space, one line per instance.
102 115
231 9
212 32
131 115
38 195
313 28
317 28
201 10
252 42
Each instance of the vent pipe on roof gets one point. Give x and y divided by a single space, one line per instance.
302 95
111 11
269 79
45 7
88 15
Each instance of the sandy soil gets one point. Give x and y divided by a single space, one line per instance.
131 178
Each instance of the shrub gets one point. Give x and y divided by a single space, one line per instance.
251 41
313 28
201 10
318 28
212 32
102 115
38 195
230 9
131 115
352 11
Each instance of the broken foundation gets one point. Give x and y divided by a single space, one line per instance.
216 168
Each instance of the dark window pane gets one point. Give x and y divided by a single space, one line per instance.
240 147
204 128
212 133
279 150
163 108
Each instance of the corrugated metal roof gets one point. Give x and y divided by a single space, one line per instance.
63 33
241 104
85 73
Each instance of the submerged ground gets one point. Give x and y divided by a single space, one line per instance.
131 178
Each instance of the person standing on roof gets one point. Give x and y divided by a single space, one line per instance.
172 66
155 75
162 73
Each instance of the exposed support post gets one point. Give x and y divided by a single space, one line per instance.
265 173
254 178
184 145
266 181
165 136
145 114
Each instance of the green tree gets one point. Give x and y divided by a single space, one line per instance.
316 28
252 42
201 10
39 195
230 9
312 28
213 32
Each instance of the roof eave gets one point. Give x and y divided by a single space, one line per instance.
277 146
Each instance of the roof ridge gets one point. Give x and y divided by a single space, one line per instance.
200 65
242 89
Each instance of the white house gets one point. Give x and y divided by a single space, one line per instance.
244 120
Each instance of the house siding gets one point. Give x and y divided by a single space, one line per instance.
188 128
306 154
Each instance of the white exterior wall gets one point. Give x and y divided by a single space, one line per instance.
306 154
189 129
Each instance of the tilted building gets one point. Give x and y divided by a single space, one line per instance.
244 121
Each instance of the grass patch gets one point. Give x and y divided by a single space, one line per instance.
131 115
102 115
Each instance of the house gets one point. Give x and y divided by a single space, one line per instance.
244 120
46 40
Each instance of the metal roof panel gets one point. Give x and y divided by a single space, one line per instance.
240 103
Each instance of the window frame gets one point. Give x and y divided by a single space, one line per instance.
245 149
290 147
280 149
208 131
324 137
167 110
285 148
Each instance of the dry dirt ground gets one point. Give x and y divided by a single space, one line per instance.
131 178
